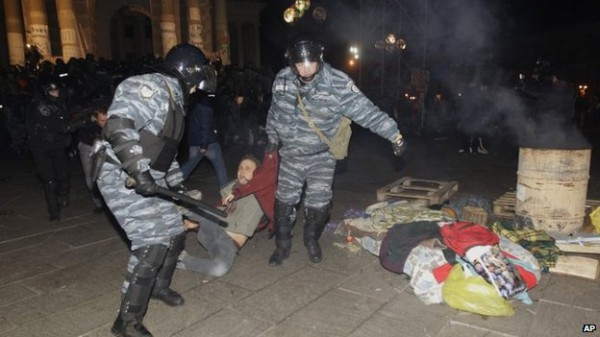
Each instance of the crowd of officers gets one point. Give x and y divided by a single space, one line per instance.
241 102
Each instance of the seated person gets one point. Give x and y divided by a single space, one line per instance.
249 202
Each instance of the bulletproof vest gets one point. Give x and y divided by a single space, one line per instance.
162 148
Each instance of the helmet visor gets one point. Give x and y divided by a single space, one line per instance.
208 81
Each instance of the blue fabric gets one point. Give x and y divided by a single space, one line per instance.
201 125
214 155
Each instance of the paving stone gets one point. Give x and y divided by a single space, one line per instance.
74 321
459 329
86 234
374 281
406 315
6 327
560 320
336 313
514 325
226 322
571 290
15 293
289 294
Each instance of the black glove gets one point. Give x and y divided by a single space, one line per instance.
271 147
145 184
399 147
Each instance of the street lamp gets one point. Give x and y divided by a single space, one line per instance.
299 7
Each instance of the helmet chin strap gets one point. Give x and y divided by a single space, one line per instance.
306 80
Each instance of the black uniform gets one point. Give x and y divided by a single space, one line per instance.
49 134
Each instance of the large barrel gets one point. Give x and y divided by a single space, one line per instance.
552 188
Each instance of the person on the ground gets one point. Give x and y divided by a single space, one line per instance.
87 136
145 125
327 94
202 139
49 130
249 201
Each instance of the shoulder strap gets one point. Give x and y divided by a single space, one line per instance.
311 123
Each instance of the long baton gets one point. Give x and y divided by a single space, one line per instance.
165 192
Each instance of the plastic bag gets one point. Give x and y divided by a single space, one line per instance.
595 217
473 294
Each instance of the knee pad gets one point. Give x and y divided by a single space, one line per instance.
150 258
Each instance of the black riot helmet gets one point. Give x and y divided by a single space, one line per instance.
305 50
189 64
49 87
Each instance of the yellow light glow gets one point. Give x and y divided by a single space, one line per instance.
289 15
302 5
390 39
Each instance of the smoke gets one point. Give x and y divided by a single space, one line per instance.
467 48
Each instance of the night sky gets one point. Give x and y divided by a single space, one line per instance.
451 20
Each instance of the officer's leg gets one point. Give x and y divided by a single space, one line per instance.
161 289
315 220
143 266
285 218
45 171
291 178
52 199
317 203
63 177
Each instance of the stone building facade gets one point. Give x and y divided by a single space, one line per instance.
122 29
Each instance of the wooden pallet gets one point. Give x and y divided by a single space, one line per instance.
433 192
504 206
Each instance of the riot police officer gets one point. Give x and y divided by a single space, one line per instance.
145 125
327 95
49 134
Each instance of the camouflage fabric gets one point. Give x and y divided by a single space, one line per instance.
146 221
304 157
331 95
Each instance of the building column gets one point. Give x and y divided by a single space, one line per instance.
167 25
38 27
68 30
195 24
14 32
222 31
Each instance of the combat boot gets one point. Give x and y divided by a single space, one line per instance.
52 200
161 290
135 299
285 217
315 220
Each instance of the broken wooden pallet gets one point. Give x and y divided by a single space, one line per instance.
433 192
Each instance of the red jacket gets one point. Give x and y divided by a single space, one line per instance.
263 185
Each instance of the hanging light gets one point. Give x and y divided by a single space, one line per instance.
289 15
390 39
302 5
379 44
319 14
401 44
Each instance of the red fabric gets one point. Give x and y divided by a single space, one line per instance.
461 235
527 276
263 185
440 273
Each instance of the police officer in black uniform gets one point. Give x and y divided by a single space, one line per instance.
49 133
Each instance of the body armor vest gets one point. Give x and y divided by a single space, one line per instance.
162 148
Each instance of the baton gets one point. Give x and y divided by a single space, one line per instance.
165 192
